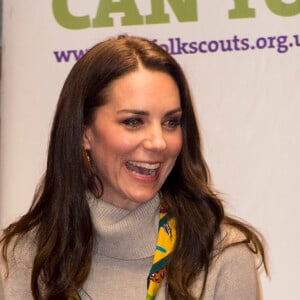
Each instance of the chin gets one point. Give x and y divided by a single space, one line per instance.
143 198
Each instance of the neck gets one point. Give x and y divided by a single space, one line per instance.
126 234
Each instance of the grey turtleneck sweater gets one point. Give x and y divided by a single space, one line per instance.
123 258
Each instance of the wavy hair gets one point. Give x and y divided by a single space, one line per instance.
60 215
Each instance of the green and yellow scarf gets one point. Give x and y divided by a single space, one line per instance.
164 247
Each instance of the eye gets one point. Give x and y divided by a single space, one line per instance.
172 123
133 123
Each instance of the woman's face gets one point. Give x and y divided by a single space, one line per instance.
136 137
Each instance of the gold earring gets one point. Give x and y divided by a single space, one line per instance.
87 156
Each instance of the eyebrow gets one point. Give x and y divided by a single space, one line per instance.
145 113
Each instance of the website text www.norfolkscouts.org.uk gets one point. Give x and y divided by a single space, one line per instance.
179 46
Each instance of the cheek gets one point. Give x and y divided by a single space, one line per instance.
175 145
115 145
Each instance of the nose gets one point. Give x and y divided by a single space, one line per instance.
155 139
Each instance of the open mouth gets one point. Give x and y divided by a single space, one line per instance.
143 169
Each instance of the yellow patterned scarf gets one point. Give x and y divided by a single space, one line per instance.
165 245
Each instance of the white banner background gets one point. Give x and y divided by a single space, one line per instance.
247 102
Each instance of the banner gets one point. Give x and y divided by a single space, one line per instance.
242 59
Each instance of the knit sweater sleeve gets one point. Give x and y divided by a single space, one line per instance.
236 275
232 275
16 283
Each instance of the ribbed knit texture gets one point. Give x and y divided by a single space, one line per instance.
125 234
123 258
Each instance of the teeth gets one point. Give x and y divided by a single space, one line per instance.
151 173
145 165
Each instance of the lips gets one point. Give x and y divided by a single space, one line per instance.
143 168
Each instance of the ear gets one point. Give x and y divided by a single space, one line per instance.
86 138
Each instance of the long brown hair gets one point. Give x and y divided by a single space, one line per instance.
60 215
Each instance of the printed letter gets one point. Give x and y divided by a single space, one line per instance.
284 9
128 7
67 20
241 10
185 11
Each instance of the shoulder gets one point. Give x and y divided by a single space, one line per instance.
229 235
15 275
232 274
21 250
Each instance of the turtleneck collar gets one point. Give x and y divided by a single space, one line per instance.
125 234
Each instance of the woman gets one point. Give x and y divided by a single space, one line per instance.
125 209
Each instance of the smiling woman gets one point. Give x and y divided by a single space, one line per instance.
135 137
125 209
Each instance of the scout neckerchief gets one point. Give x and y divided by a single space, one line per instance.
164 247
75 296
165 244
